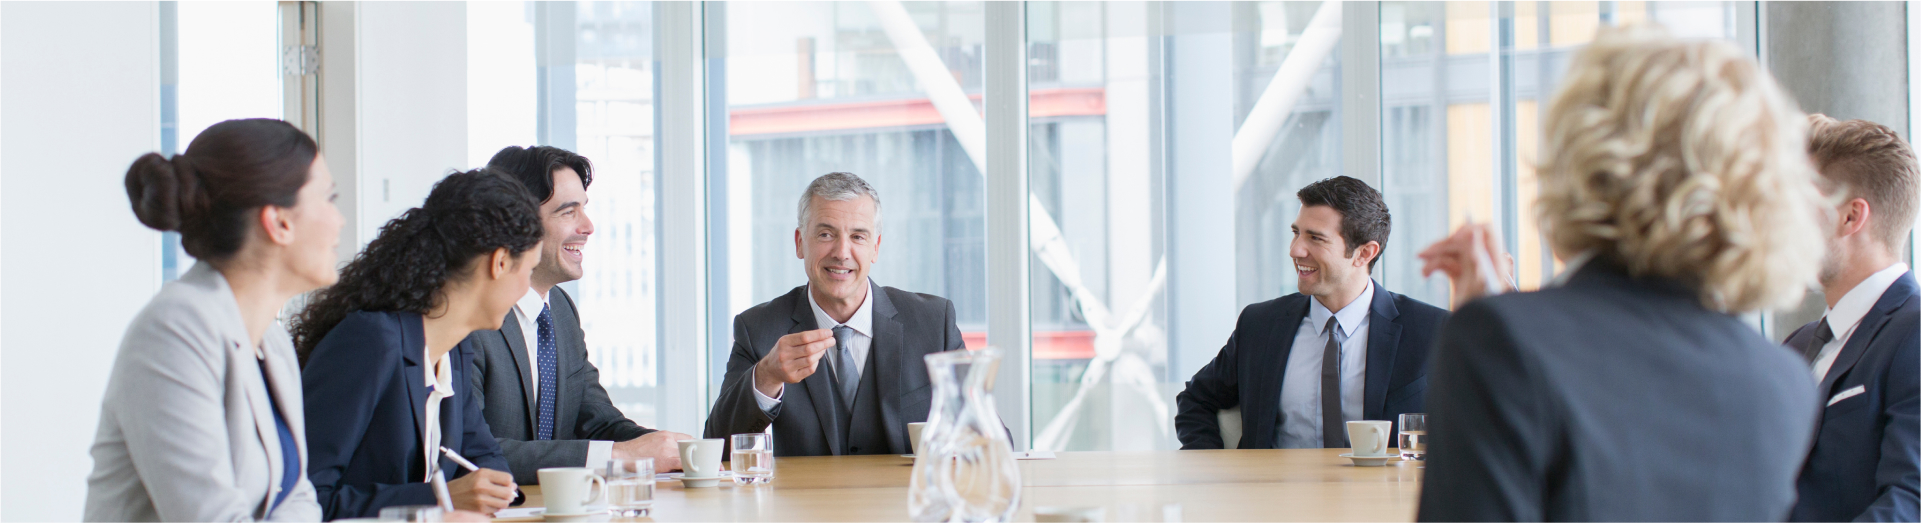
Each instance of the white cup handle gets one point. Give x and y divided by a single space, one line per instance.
596 492
691 465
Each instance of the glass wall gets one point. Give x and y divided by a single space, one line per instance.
222 65
1463 84
818 87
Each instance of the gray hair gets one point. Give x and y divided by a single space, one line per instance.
837 187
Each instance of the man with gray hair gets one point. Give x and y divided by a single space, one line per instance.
835 365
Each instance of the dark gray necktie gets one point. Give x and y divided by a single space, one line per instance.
1333 429
844 369
1822 335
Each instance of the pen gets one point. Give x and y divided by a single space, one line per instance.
469 465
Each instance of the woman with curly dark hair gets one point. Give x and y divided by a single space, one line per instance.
383 348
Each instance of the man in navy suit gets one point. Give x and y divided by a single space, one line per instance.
1342 349
1863 466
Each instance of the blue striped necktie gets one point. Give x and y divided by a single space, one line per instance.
547 355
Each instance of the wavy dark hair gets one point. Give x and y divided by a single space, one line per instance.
406 267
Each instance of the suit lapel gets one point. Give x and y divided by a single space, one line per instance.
563 360
819 391
1383 340
517 347
888 350
1900 292
1891 299
1270 368
413 343
243 363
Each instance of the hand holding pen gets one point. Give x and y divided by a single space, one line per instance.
482 490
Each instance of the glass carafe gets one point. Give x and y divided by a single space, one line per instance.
965 470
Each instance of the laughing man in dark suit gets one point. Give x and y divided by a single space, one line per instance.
541 394
835 366
1342 349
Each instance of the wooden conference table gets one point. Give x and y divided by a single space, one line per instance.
1208 485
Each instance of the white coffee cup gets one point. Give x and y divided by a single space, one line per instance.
569 490
913 436
700 458
1369 437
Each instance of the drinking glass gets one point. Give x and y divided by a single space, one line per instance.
426 513
1413 437
753 458
630 486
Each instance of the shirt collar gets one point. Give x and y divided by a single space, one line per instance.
1350 316
1848 311
529 306
440 375
862 321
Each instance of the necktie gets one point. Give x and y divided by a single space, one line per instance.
1822 335
844 369
549 373
1333 429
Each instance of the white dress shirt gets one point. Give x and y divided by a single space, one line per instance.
1301 386
1847 312
439 378
857 345
527 312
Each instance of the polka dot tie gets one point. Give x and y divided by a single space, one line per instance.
548 356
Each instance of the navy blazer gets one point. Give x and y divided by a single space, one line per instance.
1866 447
1248 371
366 396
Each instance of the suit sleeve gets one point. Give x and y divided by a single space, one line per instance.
1215 387
173 416
1488 451
342 383
1898 474
735 410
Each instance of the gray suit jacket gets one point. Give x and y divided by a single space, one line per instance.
1611 399
503 381
907 327
186 429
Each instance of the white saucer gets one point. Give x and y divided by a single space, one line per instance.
690 482
1369 461
589 515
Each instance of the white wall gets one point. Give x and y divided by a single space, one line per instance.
412 121
76 107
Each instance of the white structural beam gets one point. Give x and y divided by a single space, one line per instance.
1008 208
682 234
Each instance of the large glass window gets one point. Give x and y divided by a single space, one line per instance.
819 87
1463 87
222 65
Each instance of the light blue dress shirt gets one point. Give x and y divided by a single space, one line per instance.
1301 386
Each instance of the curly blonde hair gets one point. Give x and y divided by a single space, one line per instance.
1682 159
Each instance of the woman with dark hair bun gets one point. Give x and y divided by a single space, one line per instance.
384 347
202 419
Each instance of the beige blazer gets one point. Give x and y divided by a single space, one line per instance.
186 429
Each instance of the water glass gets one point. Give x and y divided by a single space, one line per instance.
630 487
1413 437
426 513
753 458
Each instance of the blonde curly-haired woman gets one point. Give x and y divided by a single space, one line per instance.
1676 185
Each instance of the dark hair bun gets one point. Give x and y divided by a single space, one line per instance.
165 193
